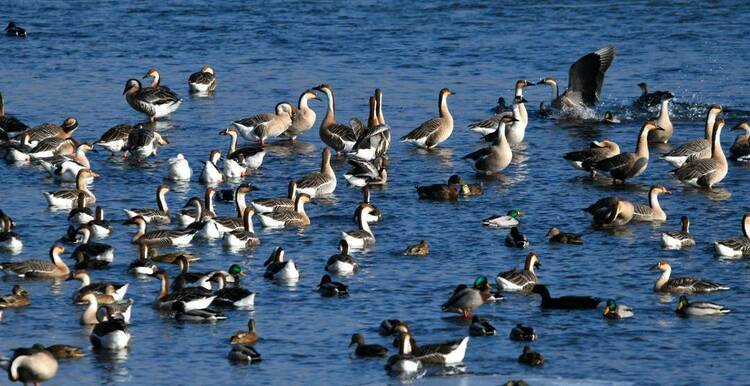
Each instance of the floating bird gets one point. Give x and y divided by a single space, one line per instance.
495 158
303 118
159 237
13 30
509 220
203 80
278 269
158 216
143 143
586 159
663 122
64 351
339 137
9 241
629 165
649 99
686 308
531 358
244 354
736 247
154 102
362 237
652 211
194 298
110 333
405 363
447 191
288 218
522 333
319 183
54 268
555 236
367 350
682 284
179 169
516 280
250 156
697 149
565 302
32 365
265 205
342 263
115 138
706 172
516 239
611 212
436 130
585 80
740 150
245 237
246 338
329 288
465 300
481 327
374 215
678 239
421 249
205 315
617 311
17 299
9 124
265 126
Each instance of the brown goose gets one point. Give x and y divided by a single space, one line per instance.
115 138
341 138
698 149
158 216
242 238
69 198
682 284
585 80
251 156
303 118
736 247
597 151
264 205
32 365
265 126
48 130
706 172
515 280
160 237
740 150
203 80
9 124
248 337
433 132
319 183
155 102
288 218
663 122
611 212
629 165
652 211
53 268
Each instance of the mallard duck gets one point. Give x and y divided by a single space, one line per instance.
363 237
367 350
52 268
555 236
516 239
194 298
264 205
205 315
697 149
611 212
237 297
565 302
142 143
686 308
115 138
481 327
629 165
32 365
405 363
9 241
740 149
342 262
110 333
522 333
161 237
288 218
266 125
515 280
17 299
329 288
421 249
64 351
245 237
508 220
203 80
69 198
278 269
706 172
247 338
465 300
436 130
243 354
91 250
617 311
678 239
447 191
531 358
736 247
319 183
682 284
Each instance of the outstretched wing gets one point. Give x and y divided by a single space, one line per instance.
586 75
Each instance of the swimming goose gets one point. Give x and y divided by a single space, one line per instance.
111 333
522 333
682 284
172 257
266 125
520 281
248 337
740 150
288 218
367 179
495 158
211 175
17 299
375 215
586 159
629 165
530 357
303 118
652 211
390 327
100 227
555 236
243 354
436 130
87 287
224 224
202 279
465 300
514 128
250 156
193 212
143 143
610 212
339 137
32 365
329 288
115 138
319 183
678 239
65 168
194 298
265 205
663 122
585 80
278 269
243 238
203 80
91 250
52 147
516 239
421 249
363 237
500 106
686 308
617 311
509 220
445 353
342 263
447 191
481 327
366 350
179 169
648 99
155 102
160 237
95 312
143 264
9 124
9 241
405 363
158 216
64 351
39 133
706 172
565 302
697 149
236 297
736 247
53 268
204 315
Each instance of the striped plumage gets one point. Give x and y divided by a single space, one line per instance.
115 138
597 151
9 124
153 216
436 130
339 137
629 165
69 198
143 142
736 247
678 239
266 125
160 237
520 280
263 205
682 284
288 218
54 267
155 102
203 80
46 130
697 149
319 183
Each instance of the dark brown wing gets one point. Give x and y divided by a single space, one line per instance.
586 75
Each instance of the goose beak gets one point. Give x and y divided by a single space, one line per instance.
541 81
523 100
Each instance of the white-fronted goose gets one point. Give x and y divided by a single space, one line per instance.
682 284
278 269
629 165
610 212
678 239
264 205
203 80
143 143
69 198
211 174
288 218
586 159
155 102
194 298
652 211
433 132
33 364
585 80
266 125
161 237
495 158
706 172
341 138
362 237
663 122
516 280
740 150
342 262
303 118
319 183
158 216
736 247
115 138
243 238
52 268
250 156
697 149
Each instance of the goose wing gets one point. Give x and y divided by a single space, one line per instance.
10 124
29 267
201 77
619 163
256 120
586 75
158 96
479 154
140 137
312 180
116 133
425 130
689 148
642 210
362 167
695 169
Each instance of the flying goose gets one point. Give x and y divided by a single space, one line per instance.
697 149
736 247
706 172
54 268
319 183
202 81
158 216
629 165
436 130
264 126
586 159
585 80
515 280
303 118
683 284
663 122
678 239
341 138
740 150
154 102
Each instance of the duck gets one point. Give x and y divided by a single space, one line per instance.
367 350
516 280
251 156
472 189
159 216
565 302
245 237
319 183
495 158
236 297
625 166
288 218
649 99
54 268
652 211
160 237
500 106
154 102
17 299
65 168
201 279
115 138
110 333
120 289
522 333
531 358
374 216
687 308
262 127
555 236
205 315
436 130
697 149
617 311
363 237
37 134
420 249
179 169
194 298
610 119
9 241
663 122
243 354
611 212
246 338
339 137
678 239
9 124
740 149
585 159
444 192
516 239
465 300
736 247
303 118
329 288
143 143
405 363
265 205
508 220
64 351
32 365
92 250
202 81
342 263
683 284
278 269
706 172
68 198
13 30
481 327
585 80
143 265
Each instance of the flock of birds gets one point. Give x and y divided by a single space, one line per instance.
205 296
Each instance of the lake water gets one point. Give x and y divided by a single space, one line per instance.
79 55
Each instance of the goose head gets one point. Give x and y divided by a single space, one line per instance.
446 92
132 86
324 87
207 69
550 81
277 256
644 87
309 95
69 124
660 189
662 265
284 108
744 126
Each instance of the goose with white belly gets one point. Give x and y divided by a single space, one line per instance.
405 363
375 217
92 250
736 247
491 124
143 143
278 269
265 126
516 280
303 118
586 159
154 102
202 81
264 205
740 150
143 265
342 263
629 165
436 130
158 216
211 174
87 287
339 137
110 333
9 241
495 158
80 214
228 223
678 239
115 138
663 122
46 148
611 212
251 156
9 124
288 218
195 298
319 183
160 237
66 168
236 297
37 134
69 198
179 169
684 284
585 80
55 267
652 211
706 172
697 149
363 237
243 238
99 225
